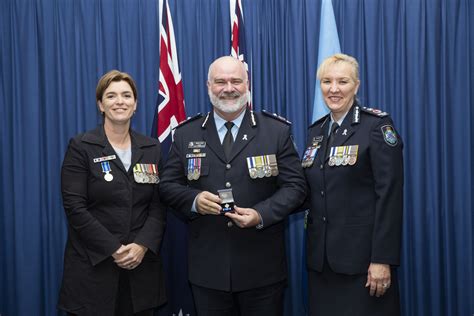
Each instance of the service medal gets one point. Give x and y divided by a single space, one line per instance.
137 174
273 164
155 171
108 177
250 166
259 165
339 155
197 168
190 169
352 160
345 156
106 169
275 172
146 178
268 171
353 150
253 173
332 158
266 166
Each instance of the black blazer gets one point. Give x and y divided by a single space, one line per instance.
356 210
221 255
104 215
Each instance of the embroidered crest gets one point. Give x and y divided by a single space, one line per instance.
389 135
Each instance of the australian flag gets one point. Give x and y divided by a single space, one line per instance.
238 44
169 113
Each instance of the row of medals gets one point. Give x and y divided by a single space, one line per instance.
194 168
146 173
343 155
262 166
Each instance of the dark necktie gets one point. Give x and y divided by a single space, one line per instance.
334 128
228 140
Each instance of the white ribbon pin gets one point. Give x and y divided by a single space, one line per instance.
245 137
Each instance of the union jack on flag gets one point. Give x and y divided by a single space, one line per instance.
238 44
170 104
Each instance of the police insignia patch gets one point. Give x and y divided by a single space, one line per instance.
389 135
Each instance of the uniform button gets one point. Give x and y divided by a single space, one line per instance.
324 218
228 166
321 166
228 185
322 193
230 224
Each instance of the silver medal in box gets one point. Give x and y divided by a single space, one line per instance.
227 199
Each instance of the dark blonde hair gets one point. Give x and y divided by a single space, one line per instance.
114 76
336 59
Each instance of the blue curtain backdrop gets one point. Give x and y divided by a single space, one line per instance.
416 63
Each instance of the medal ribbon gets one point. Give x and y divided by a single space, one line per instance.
105 166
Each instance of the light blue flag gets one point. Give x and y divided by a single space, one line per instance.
328 45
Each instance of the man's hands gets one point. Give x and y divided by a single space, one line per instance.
208 203
244 217
129 256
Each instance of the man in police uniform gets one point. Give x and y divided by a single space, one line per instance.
236 262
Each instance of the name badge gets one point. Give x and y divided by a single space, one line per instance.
105 158
197 144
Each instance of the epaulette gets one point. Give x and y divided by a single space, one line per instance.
189 119
276 116
319 120
375 112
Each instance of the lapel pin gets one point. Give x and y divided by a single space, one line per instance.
345 132
245 137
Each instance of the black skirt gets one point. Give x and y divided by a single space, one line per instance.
334 294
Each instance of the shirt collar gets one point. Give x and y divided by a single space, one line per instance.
339 122
220 121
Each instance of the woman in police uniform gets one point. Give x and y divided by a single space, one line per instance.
354 168
110 191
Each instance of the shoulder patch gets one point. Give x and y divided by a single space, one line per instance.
189 119
276 117
389 135
375 112
320 120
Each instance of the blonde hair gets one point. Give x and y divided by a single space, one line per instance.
336 59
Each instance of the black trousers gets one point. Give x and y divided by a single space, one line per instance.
123 303
267 300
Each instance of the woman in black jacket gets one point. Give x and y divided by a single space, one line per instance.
110 187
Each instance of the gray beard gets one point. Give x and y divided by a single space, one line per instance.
226 107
